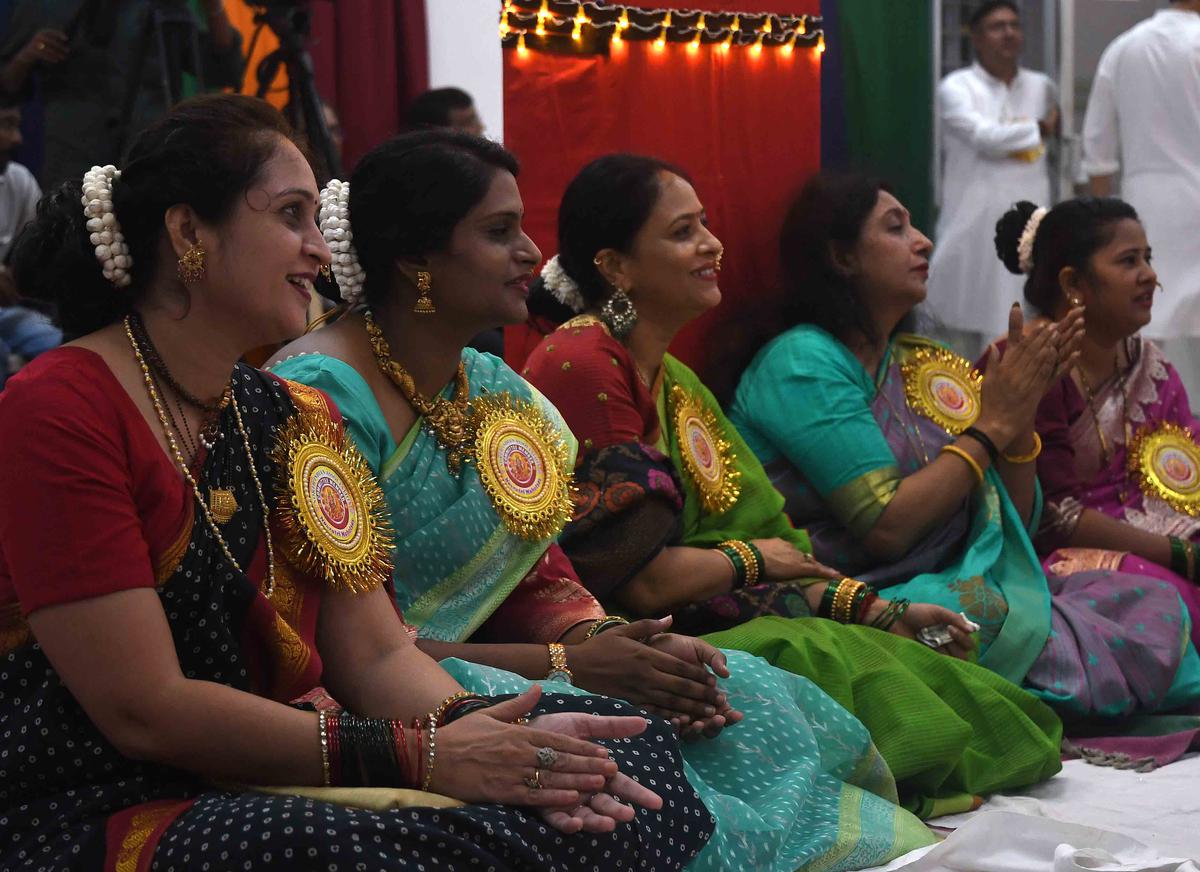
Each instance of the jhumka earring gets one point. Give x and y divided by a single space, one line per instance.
191 267
424 304
619 313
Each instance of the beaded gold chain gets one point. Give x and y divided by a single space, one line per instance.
187 473
450 420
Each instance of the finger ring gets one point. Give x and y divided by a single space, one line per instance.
534 783
547 757
41 46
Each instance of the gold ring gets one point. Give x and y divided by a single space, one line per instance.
534 783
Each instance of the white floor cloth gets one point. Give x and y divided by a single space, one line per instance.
1086 817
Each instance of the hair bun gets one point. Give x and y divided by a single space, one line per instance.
1008 234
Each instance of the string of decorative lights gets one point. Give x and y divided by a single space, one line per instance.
541 22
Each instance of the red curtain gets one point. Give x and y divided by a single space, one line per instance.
746 127
370 58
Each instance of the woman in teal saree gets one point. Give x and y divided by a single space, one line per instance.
476 482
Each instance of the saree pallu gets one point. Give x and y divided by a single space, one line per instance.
797 784
1085 455
1084 632
948 730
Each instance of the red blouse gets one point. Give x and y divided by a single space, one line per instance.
92 502
592 380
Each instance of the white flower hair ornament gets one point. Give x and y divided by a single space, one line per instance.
1028 235
335 227
104 231
564 288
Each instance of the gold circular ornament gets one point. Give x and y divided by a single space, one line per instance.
523 464
943 387
708 458
332 512
1165 462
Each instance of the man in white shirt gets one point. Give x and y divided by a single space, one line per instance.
1143 118
995 120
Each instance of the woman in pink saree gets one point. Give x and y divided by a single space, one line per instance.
1120 466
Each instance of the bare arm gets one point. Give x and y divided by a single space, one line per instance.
1098 530
116 656
677 577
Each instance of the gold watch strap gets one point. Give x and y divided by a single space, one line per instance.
558 659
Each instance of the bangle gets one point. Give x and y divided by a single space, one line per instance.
431 756
825 608
844 599
970 461
739 564
323 734
865 607
439 713
463 708
605 623
1179 561
1031 456
750 557
985 440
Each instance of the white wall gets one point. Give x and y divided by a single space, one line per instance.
464 51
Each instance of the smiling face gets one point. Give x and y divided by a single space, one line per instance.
889 263
481 278
263 259
1117 288
671 272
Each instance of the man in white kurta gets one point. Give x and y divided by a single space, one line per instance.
995 118
1143 118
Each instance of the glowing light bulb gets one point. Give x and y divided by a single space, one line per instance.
756 49
701 23
616 37
694 45
667 20
767 25
821 44
728 43
582 18
661 42
577 33
789 46
522 49
623 23
504 28
737 24
804 25
541 28
544 12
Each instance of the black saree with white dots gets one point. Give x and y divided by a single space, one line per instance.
69 800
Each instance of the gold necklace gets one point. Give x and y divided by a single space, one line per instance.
1106 453
450 420
187 473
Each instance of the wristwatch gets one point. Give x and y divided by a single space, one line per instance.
558 664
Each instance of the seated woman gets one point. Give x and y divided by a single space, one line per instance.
475 465
921 481
674 514
198 544
1119 464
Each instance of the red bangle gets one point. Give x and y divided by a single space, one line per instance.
333 730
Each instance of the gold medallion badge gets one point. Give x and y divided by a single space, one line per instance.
1165 462
333 516
522 461
707 457
943 387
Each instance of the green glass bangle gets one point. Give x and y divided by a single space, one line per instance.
1179 561
825 608
739 565
758 558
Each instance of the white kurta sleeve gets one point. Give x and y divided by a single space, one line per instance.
990 138
1101 132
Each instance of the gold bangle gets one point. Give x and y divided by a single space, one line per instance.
753 570
970 461
843 601
438 713
1031 456
603 623
431 757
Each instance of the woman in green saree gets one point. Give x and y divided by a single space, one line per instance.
663 478
474 464
904 501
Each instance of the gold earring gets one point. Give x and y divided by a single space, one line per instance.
191 267
720 254
326 272
424 305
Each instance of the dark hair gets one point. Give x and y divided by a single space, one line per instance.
604 206
433 108
830 210
408 194
983 10
1069 235
205 152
